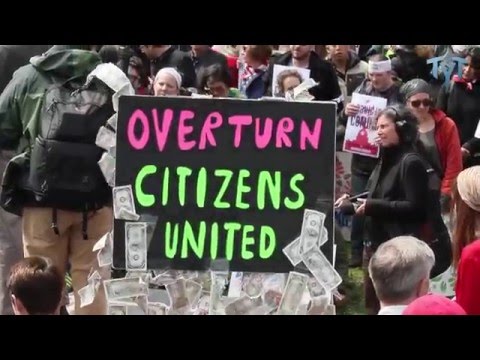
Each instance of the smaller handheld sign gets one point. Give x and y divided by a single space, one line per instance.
361 128
477 132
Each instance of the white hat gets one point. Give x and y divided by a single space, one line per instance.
172 72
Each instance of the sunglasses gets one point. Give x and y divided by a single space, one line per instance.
425 102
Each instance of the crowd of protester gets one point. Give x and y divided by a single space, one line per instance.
428 166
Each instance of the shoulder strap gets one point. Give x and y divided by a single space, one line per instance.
437 168
402 163
374 178
428 168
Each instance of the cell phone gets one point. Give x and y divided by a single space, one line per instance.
356 197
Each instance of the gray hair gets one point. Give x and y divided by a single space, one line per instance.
398 266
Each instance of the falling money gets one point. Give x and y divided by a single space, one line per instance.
123 198
105 255
177 293
136 246
124 288
321 269
157 308
311 229
292 295
252 284
243 306
315 288
107 166
292 252
117 310
219 280
105 138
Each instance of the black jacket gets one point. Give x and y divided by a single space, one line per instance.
410 66
396 205
463 106
364 165
211 57
13 57
362 51
176 59
320 70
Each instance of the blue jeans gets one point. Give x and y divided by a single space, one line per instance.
359 184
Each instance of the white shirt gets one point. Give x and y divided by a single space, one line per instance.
392 310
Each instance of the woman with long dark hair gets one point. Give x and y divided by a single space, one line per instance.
397 200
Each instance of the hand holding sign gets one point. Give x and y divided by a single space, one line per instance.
351 109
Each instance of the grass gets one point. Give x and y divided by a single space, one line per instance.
352 284
355 304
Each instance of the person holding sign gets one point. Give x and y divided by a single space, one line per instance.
350 70
302 56
397 200
439 137
379 84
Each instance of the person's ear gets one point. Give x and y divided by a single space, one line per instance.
57 310
423 287
18 308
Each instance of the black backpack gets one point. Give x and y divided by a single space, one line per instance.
64 172
434 231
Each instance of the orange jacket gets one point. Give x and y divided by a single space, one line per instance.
449 148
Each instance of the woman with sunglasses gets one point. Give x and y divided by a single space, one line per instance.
438 136
397 201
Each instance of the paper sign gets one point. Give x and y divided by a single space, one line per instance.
282 83
361 130
477 132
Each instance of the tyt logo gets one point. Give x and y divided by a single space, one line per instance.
446 66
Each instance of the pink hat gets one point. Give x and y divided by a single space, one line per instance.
433 304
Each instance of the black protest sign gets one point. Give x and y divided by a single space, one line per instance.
223 178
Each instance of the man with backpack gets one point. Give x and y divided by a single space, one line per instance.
55 182
11 58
